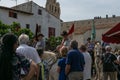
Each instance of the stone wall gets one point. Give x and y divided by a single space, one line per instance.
83 27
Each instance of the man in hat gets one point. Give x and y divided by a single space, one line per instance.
65 40
40 43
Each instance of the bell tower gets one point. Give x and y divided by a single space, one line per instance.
53 8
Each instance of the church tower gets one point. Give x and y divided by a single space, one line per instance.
53 8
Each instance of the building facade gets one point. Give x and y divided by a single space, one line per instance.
32 16
83 28
53 7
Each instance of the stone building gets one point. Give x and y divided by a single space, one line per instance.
83 27
31 15
53 8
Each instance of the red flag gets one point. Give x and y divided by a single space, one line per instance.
71 30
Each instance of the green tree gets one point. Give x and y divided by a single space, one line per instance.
3 28
53 42
25 31
14 28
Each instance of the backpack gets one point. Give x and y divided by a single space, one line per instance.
108 64
107 58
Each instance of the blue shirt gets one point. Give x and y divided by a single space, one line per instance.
61 64
76 60
90 46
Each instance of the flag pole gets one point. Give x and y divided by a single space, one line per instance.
93 31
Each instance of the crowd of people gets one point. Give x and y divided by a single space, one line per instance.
90 61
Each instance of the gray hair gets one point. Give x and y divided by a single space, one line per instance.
74 44
108 48
23 39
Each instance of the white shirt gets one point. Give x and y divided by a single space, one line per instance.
40 44
87 67
28 52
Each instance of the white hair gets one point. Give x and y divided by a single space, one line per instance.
23 39
107 47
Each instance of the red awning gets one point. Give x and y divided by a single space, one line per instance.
113 35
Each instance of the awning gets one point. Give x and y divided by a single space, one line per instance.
113 35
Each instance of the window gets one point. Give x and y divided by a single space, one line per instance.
55 9
51 31
38 28
28 26
39 12
52 8
12 14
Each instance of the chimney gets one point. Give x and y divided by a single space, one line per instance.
113 16
106 16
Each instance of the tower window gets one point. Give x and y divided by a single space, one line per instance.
39 11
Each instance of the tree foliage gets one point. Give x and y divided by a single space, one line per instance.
14 28
3 28
53 42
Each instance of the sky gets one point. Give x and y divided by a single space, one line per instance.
72 10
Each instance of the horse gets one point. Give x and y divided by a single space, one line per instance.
53 71
98 66
50 60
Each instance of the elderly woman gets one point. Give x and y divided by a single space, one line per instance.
11 63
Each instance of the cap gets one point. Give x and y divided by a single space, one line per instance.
64 33
40 34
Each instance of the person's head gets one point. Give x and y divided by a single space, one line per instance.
89 39
23 39
83 48
40 36
108 48
74 44
10 42
63 51
64 34
9 45
58 48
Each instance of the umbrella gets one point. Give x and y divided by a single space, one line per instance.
113 35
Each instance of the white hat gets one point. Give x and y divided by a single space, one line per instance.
107 47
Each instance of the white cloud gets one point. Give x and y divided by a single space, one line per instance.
88 9
79 9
